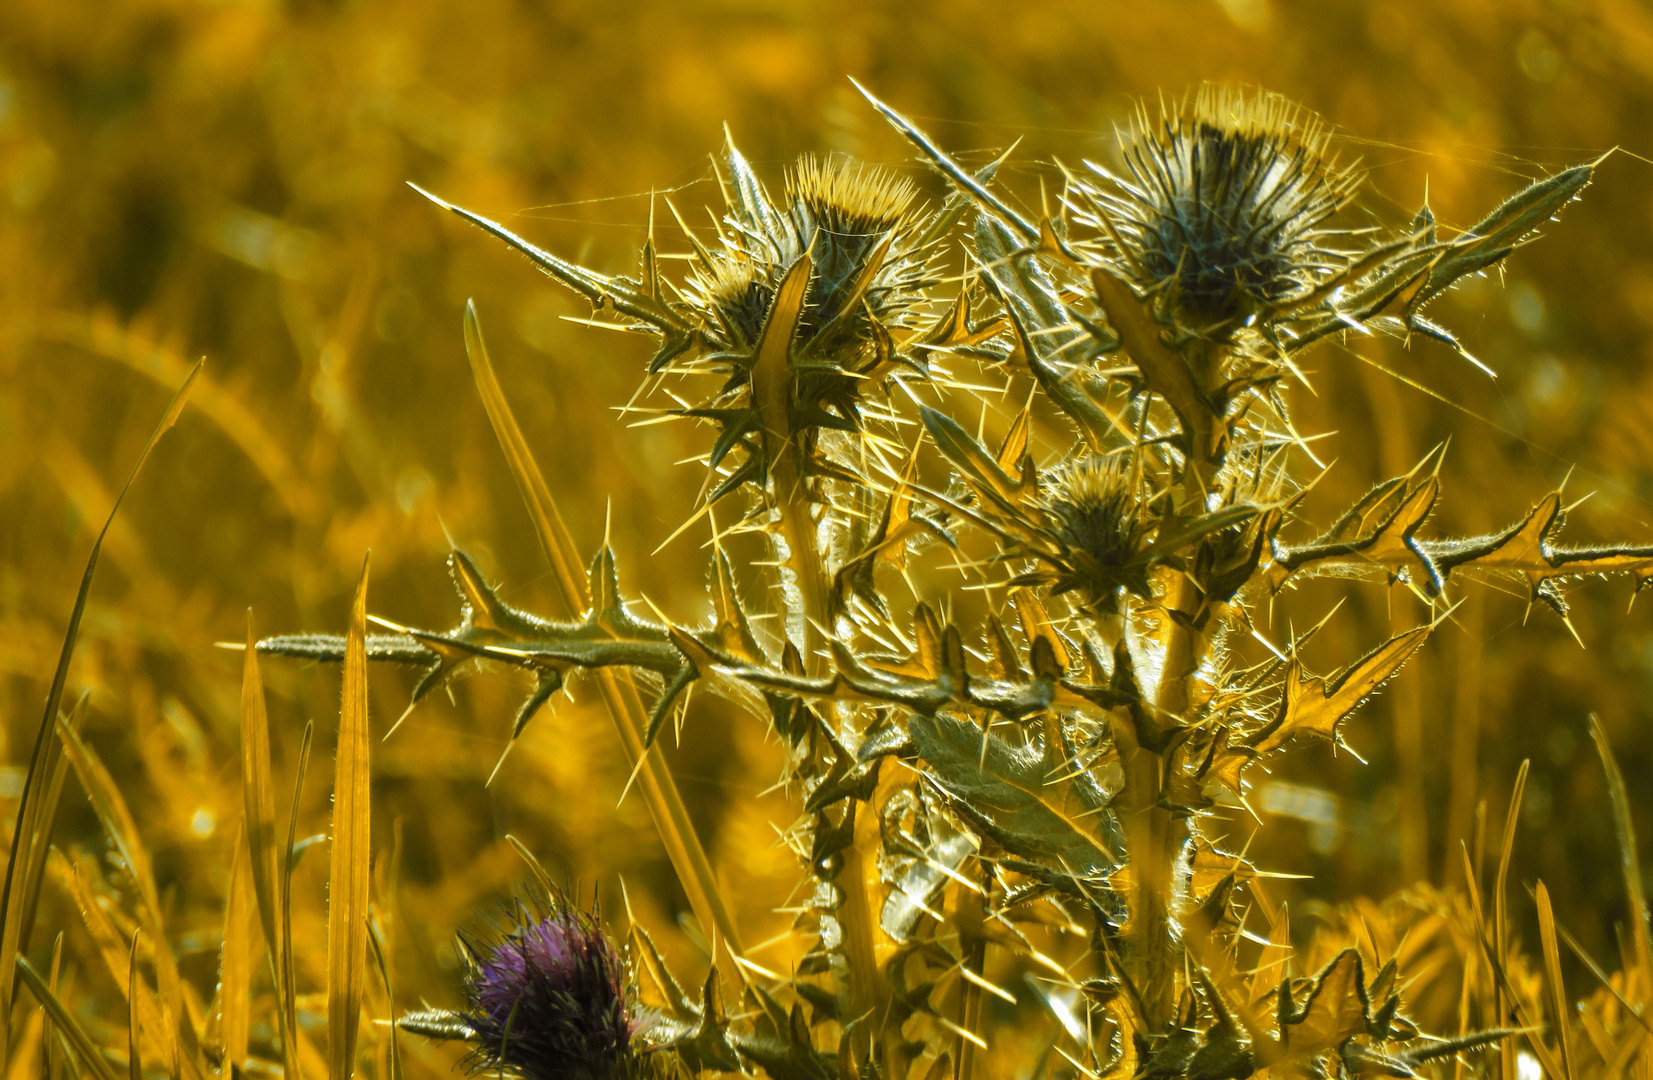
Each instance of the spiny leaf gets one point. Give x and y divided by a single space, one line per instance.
625 296
971 184
1036 804
734 631
1391 544
1043 327
707 1046
645 952
1315 706
1497 234
1175 537
1527 547
971 457
771 357
1166 373
1037 627
1333 1012
925 864
744 193
1014 447
350 859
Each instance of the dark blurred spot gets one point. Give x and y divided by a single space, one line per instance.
134 256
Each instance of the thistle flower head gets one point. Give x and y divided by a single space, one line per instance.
857 224
865 253
846 210
548 1000
1225 206
1098 523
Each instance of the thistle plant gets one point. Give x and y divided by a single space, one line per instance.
1036 796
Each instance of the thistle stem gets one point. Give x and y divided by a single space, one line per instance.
858 879
1152 832
1148 834
803 553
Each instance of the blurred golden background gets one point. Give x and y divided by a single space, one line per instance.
225 178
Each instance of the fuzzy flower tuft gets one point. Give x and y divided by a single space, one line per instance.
1224 207
548 1000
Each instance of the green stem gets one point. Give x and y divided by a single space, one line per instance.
1148 832
858 879
1152 831
868 999
803 554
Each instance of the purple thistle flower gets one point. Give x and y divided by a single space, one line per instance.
548 1001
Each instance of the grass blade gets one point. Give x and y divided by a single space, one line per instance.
625 705
118 823
1506 996
1500 939
35 872
29 843
287 992
258 814
112 943
395 1069
1552 976
114 815
256 788
134 1029
349 868
235 975
85 1049
1630 861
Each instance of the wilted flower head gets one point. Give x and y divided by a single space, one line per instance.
1224 208
548 1000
